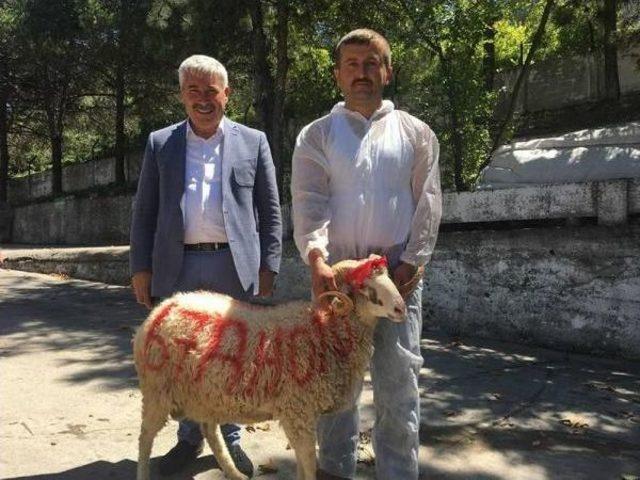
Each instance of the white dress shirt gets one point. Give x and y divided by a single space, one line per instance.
202 199
361 185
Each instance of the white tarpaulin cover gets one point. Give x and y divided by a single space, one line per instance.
581 156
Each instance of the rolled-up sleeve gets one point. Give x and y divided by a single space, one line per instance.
425 185
310 194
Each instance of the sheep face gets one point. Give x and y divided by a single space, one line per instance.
382 298
375 293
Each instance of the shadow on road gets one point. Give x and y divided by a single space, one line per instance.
489 411
52 313
504 411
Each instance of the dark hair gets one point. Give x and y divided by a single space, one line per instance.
364 36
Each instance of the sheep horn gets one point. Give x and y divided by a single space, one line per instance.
345 304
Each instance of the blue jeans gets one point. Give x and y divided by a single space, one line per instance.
213 271
395 367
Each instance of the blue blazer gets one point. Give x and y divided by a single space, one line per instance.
250 205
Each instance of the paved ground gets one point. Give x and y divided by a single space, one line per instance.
491 411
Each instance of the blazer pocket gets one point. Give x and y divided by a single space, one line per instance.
244 175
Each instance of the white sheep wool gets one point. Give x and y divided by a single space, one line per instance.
213 359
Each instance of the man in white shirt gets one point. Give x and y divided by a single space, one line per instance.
206 217
365 180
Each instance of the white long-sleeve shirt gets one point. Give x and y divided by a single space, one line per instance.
366 185
202 199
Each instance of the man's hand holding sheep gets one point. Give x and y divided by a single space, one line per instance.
322 276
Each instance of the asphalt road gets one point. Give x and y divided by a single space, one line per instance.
490 410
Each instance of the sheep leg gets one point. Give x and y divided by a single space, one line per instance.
303 442
214 437
153 419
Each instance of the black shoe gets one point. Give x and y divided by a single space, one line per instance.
178 457
241 460
322 475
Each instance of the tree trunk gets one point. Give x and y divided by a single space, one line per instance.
458 152
120 92
457 142
524 71
611 80
263 82
280 91
489 58
4 130
56 126
55 140
120 137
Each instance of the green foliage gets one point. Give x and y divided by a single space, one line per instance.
445 54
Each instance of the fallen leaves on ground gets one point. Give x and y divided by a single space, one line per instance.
575 422
265 427
266 468
505 423
365 448
602 386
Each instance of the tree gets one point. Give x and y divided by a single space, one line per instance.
4 125
56 71
118 31
9 49
609 17
270 82
536 41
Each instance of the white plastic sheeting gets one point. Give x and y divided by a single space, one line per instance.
581 156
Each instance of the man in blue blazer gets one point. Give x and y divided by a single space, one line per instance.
206 216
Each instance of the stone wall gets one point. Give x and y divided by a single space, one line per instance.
105 220
74 221
569 288
568 81
93 220
6 222
75 178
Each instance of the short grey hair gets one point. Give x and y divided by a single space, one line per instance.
202 65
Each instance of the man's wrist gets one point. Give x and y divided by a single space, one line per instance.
316 257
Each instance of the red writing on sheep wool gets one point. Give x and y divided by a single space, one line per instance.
233 354
260 372
189 344
302 362
153 338
267 355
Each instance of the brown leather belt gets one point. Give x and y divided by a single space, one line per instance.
205 247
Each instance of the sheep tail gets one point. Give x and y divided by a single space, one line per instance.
216 442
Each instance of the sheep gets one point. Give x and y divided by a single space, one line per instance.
215 360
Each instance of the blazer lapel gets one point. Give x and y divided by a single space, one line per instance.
176 159
177 153
228 153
